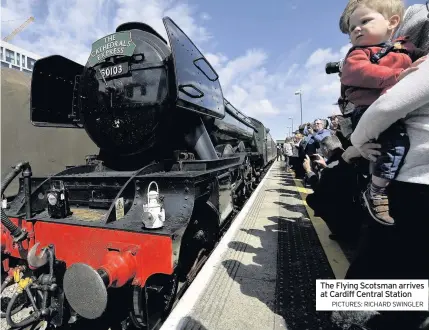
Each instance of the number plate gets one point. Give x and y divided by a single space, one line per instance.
114 71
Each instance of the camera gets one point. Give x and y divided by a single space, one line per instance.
334 67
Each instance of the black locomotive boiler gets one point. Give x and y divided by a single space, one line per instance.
176 160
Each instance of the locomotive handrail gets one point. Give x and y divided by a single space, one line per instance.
235 113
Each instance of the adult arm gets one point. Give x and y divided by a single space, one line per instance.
308 131
407 95
359 71
311 177
321 136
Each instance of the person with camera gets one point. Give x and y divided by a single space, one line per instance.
294 158
301 145
401 251
334 123
336 190
408 193
372 66
317 132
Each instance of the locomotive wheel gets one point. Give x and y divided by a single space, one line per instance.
153 303
198 241
196 247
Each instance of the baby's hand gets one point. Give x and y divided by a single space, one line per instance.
412 68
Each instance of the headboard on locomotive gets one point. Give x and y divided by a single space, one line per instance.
131 81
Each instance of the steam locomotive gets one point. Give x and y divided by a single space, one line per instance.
110 240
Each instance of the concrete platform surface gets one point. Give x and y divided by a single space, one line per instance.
266 277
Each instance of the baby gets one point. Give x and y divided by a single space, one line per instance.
372 66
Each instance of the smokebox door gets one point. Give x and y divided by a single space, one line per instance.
53 97
197 83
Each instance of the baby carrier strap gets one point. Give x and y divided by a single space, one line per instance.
397 46
386 48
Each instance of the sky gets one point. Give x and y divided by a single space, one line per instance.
263 51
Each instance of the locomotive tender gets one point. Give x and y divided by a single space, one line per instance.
112 238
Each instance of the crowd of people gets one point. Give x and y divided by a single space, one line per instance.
368 167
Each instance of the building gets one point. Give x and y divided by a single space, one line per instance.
17 58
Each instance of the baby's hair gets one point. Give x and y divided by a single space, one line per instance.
387 8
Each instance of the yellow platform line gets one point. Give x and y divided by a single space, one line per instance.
333 251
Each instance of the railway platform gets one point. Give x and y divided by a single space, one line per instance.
262 275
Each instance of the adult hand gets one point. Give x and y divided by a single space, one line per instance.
320 160
368 151
412 68
306 164
350 153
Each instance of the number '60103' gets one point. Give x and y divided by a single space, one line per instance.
111 71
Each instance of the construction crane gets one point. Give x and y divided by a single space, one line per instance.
19 29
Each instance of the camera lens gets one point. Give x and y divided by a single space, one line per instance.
332 67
